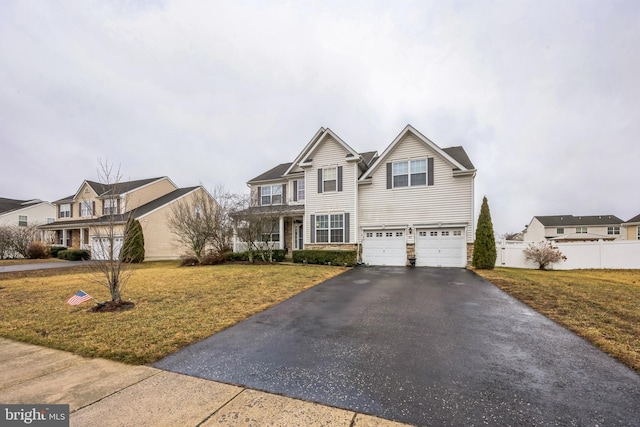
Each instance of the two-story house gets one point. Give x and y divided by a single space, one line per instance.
415 200
23 213
574 228
81 217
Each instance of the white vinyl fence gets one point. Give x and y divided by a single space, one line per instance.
617 254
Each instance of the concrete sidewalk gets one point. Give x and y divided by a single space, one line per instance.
106 393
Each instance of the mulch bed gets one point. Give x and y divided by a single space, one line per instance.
111 306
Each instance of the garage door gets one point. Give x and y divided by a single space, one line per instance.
441 248
384 247
100 247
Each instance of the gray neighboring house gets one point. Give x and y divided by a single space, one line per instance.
25 212
569 228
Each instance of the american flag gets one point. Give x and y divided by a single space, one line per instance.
78 298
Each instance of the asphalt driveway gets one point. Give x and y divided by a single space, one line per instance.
422 346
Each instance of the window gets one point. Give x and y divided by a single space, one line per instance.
22 220
65 211
111 207
86 209
329 179
457 233
389 234
198 211
369 234
273 236
422 233
409 173
300 189
330 228
50 220
445 233
399 233
271 195
581 230
560 230
615 230
433 233
378 234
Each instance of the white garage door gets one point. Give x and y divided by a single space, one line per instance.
100 247
441 248
384 247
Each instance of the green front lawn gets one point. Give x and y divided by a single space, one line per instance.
603 306
175 306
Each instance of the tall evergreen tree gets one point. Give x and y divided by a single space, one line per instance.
484 250
133 245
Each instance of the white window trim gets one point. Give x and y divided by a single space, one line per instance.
65 210
613 230
111 207
86 209
301 190
329 228
324 179
409 173
271 194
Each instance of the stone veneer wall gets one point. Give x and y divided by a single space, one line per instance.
469 253
331 246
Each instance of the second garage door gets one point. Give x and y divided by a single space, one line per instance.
441 248
384 247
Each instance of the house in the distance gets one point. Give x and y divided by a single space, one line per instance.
574 228
415 199
81 216
23 213
632 228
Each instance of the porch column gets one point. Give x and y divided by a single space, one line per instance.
281 230
82 238
64 237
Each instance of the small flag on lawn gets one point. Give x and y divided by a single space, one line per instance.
78 298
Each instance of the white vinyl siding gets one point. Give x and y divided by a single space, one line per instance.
449 200
330 154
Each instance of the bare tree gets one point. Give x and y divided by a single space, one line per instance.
511 235
199 222
543 254
5 242
109 232
22 237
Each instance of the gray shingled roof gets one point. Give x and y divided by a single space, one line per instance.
368 157
273 173
460 156
8 205
570 220
135 213
635 219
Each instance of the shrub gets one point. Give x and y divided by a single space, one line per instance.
133 246
277 255
543 254
189 261
237 256
213 258
484 248
37 250
74 254
53 250
346 258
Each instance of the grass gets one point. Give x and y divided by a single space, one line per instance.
602 306
174 306
20 261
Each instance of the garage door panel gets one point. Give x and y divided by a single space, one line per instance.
384 247
441 248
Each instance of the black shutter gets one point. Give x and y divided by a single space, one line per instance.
259 201
93 207
284 194
319 180
430 171
79 208
295 190
339 178
346 227
102 206
71 207
313 228
389 175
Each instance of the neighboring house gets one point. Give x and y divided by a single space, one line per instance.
413 200
632 228
574 228
81 217
25 212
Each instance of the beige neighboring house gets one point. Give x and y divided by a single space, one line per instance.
25 212
574 228
81 216
415 200
632 228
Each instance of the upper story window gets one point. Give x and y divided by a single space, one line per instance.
198 211
613 231
329 179
50 220
298 189
65 210
22 220
86 208
111 207
581 230
409 173
271 195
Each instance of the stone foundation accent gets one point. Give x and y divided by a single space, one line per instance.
411 252
470 247
331 246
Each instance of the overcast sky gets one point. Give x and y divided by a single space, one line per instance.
543 95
